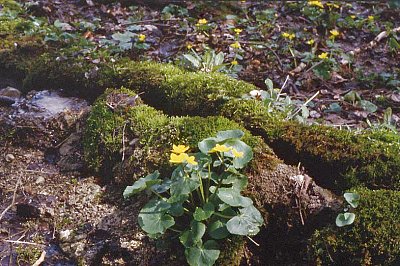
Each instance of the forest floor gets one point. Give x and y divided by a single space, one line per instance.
357 82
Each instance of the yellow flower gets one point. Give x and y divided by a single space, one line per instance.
234 63
237 31
181 158
220 148
202 21
142 37
179 149
310 42
237 154
289 36
332 4
334 32
174 158
323 56
371 18
190 160
353 16
316 3
235 45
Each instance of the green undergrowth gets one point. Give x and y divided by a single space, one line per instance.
373 239
154 132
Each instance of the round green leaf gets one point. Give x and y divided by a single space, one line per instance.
247 223
192 237
204 213
240 146
352 198
232 197
142 184
153 218
344 219
217 230
229 134
205 255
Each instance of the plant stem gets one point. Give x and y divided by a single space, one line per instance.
223 216
201 188
175 230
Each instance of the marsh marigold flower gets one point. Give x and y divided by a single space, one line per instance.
316 3
234 63
237 31
202 21
237 154
179 148
235 45
310 42
289 36
323 56
181 158
220 148
371 18
334 34
142 37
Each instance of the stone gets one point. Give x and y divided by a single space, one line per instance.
6 101
40 180
10 92
9 158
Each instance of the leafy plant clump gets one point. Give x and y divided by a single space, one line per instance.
347 217
202 201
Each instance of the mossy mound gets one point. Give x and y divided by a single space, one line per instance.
152 131
339 159
373 239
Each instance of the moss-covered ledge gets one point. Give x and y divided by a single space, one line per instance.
341 159
373 239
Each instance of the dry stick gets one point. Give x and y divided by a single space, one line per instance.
40 259
13 199
23 242
123 142
150 20
40 172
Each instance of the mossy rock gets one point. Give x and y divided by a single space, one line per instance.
154 132
338 159
373 239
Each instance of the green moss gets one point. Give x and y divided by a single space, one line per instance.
339 159
232 252
373 239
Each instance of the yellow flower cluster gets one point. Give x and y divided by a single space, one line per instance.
223 148
334 34
141 37
237 31
333 5
236 45
310 42
202 21
289 36
179 155
371 18
323 56
316 3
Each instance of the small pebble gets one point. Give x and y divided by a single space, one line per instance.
9 158
40 180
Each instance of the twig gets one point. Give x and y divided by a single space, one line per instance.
40 172
40 259
252 240
150 20
123 142
13 199
23 242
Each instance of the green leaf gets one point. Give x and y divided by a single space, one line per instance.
368 106
123 37
247 223
232 197
352 97
153 218
192 60
192 237
205 255
204 213
184 185
142 184
352 198
217 230
229 134
206 145
269 83
344 219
